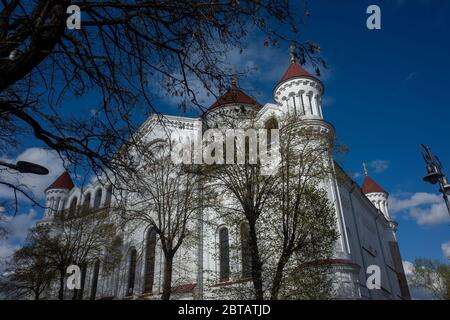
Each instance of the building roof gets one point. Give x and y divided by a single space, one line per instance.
370 186
64 181
295 71
234 95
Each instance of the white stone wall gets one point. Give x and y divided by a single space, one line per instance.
364 232
369 234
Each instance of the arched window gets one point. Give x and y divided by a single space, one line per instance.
150 261
245 251
50 206
131 272
302 103
97 198
271 124
224 254
95 279
87 200
56 208
73 206
309 96
108 196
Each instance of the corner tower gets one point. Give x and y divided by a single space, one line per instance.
376 194
56 196
299 96
299 93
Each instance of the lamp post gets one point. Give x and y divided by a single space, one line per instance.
435 174
26 167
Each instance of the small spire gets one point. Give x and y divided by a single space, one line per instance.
291 53
234 78
366 172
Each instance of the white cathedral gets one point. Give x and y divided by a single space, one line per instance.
367 234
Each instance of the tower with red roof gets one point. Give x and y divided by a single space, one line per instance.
56 196
299 96
230 108
376 194
299 93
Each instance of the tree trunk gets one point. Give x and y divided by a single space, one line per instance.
61 284
276 284
167 284
36 294
256 263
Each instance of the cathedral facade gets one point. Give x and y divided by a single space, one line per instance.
367 234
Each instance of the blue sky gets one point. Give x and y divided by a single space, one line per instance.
386 92
389 92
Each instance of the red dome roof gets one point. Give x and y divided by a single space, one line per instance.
370 186
295 71
234 95
64 181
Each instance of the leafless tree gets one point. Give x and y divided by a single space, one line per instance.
164 196
291 223
79 237
28 274
125 55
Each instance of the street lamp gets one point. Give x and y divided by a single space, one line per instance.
435 174
26 167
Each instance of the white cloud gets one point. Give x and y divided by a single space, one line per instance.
435 214
356 175
413 200
446 249
18 225
424 208
379 166
411 76
7 249
376 166
35 184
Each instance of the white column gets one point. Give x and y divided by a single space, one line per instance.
62 204
50 206
315 106
285 103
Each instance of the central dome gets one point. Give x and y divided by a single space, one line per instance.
234 95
